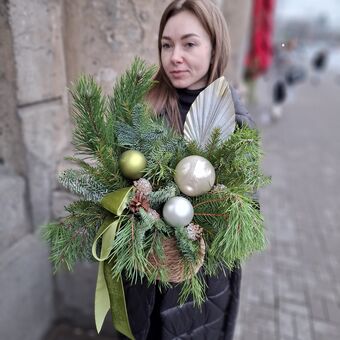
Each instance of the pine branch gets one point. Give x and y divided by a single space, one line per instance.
128 253
93 136
210 211
130 90
243 235
89 116
71 239
211 265
193 288
157 273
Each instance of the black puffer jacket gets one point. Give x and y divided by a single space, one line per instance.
156 316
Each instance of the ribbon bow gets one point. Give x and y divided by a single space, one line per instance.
110 291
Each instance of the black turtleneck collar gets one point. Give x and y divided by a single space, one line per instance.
185 98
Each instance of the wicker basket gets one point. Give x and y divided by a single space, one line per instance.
173 262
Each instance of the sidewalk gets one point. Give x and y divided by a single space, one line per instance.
292 290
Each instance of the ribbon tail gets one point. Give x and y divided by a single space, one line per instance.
102 300
110 292
119 312
107 233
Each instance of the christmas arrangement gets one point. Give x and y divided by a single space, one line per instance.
155 204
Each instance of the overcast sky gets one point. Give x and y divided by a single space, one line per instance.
311 8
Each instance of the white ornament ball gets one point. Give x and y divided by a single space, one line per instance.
178 211
194 175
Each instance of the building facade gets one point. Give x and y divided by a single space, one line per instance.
44 46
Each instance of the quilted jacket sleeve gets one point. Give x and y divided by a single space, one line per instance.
242 114
243 117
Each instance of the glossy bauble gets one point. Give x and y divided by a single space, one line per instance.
178 211
194 175
132 163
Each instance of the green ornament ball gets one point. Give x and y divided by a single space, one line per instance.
132 163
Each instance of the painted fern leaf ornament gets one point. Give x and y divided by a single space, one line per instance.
213 108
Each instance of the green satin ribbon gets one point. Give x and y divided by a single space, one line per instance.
110 292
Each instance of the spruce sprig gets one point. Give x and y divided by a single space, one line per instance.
108 176
188 248
159 197
150 135
238 161
81 183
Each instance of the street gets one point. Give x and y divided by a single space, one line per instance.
292 290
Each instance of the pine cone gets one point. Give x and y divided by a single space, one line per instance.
217 188
143 185
194 231
139 201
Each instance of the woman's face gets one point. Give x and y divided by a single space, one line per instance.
186 51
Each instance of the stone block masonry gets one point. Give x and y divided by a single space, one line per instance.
26 286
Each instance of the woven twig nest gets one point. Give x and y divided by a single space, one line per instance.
173 262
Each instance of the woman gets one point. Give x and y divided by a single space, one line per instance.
193 48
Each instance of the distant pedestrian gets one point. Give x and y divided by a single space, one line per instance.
281 64
279 96
319 60
319 63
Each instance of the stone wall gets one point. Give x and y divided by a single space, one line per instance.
34 121
44 46
103 36
11 146
238 16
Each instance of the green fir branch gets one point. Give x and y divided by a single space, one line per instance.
158 170
237 161
81 183
189 249
159 197
106 173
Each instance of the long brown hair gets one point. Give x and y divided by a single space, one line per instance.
163 96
